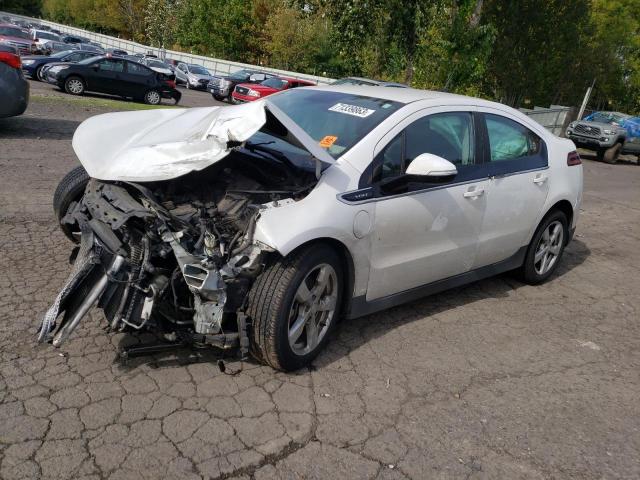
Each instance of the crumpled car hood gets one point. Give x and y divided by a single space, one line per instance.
162 144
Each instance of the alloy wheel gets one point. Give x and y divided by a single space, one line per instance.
153 97
313 309
75 86
549 248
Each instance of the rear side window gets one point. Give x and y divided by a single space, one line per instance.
509 140
137 69
111 65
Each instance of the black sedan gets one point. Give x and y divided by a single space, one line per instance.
33 65
14 89
115 76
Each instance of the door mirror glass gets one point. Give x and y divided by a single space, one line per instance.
431 167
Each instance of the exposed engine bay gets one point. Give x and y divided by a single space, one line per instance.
178 256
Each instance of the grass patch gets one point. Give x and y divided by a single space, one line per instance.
96 102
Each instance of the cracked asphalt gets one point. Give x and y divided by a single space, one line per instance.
492 380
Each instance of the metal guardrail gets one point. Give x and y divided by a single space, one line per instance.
214 65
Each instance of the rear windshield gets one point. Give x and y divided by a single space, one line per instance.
14 32
337 121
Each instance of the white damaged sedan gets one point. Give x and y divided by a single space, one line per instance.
258 226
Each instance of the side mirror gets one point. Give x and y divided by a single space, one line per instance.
430 167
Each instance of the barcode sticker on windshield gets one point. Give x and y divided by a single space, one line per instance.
354 110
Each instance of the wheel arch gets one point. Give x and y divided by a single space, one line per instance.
563 206
347 262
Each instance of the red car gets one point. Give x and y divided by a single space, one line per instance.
248 92
18 38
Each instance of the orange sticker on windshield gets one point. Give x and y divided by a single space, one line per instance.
327 141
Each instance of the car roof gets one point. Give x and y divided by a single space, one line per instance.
405 95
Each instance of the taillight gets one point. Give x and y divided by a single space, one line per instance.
171 83
573 159
10 59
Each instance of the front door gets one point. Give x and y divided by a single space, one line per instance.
519 183
428 232
106 76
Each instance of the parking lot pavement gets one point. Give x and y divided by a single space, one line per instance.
492 380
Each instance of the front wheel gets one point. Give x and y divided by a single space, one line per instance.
152 97
546 248
69 190
37 75
74 86
294 305
217 97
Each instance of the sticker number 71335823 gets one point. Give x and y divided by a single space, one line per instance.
354 110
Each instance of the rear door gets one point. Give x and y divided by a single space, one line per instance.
517 167
137 80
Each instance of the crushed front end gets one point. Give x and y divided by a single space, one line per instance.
175 257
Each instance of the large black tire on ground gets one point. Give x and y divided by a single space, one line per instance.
217 97
611 155
69 190
527 272
37 73
270 300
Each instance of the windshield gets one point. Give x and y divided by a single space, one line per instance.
60 54
198 70
353 81
47 36
337 121
14 32
275 82
241 75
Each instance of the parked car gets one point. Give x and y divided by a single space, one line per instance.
609 134
117 52
92 48
41 38
158 66
14 89
18 38
115 76
247 92
73 39
368 82
35 66
328 202
192 76
221 86
51 47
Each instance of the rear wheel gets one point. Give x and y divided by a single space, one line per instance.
218 97
69 190
294 305
546 248
152 97
611 155
74 85
38 73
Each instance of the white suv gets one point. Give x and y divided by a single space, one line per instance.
259 225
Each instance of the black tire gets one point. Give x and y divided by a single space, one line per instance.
611 155
270 300
69 190
528 272
69 85
219 98
37 74
152 97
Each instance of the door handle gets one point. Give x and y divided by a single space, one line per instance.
473 192
540 178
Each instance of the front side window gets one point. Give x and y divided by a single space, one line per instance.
509 140
448 135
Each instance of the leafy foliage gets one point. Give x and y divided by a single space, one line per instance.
522 52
